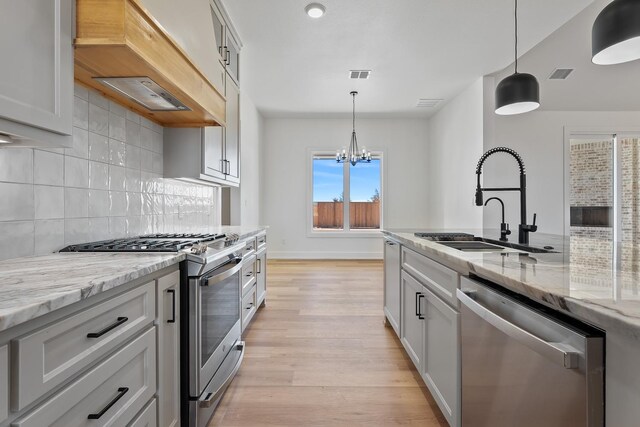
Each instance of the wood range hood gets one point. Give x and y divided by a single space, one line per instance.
120 39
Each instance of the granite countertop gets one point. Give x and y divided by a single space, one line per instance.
33 286
579 278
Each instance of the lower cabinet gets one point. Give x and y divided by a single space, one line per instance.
168 329
261 277
429 334
115 361
392 283
4 383
412 335
111 393
249 307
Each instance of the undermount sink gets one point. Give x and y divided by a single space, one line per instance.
473 246
469 243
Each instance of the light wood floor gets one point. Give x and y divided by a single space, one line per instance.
318 354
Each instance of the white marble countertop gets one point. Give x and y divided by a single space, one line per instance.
576 280
33 286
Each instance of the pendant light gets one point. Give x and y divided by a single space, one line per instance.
615 36
354 155
520 92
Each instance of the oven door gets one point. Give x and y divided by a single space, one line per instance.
215 304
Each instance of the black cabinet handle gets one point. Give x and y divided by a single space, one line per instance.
228 60
173 305
249 274
259 266
119 321
420 316
249 306
121 392
417 310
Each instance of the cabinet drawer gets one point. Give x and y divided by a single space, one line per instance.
52 355
248 307
261 241
439 279
248 273
146 418
4 383
250 248
112 393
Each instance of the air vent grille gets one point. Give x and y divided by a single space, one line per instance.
560 73
359 74
428 103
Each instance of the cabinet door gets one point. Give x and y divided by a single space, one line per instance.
36 79
392 283
232 133
440 365
219 30
213 146
261 274
169 350
412 328
233 58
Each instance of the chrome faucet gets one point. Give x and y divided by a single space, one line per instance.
504 227
523 228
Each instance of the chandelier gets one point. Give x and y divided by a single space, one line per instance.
354 155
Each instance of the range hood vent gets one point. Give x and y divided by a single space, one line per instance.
123 52
145 92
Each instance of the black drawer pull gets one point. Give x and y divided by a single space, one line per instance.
114 325
249 306
249 274
121 392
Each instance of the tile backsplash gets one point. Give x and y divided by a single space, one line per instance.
108 185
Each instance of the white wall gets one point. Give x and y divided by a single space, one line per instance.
286 167
455 145
539 137
245 200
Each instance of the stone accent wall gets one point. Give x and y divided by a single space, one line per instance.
630 203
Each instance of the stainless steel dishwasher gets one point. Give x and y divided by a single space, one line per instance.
526 365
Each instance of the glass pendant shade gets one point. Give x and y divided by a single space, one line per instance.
615 36
519 93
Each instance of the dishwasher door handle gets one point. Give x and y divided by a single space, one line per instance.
562 354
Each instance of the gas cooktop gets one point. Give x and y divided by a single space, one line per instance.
168 242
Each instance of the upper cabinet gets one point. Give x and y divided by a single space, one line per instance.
226 41
211 153
152 56
36 79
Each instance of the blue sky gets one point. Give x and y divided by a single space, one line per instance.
328 174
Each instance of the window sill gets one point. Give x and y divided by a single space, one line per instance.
367 234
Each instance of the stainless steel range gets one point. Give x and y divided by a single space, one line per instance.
211 347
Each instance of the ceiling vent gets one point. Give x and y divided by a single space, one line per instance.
560 73
428 103
359 74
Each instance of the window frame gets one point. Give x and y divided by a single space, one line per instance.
345 232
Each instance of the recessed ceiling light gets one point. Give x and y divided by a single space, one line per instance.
315 10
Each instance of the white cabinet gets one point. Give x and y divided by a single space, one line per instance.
232 133
210 153
441 359
249 307
146 418
4 382
392 284
36 79
261 277
51 355
430 329
112 393
168 329
412 330
226 42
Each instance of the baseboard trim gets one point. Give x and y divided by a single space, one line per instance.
324 255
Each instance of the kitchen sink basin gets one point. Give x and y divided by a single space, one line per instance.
469 243
473 246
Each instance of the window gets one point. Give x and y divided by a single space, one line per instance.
333 183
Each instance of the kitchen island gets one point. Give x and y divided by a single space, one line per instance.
569 280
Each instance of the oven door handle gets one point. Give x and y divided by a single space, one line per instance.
212 396
224 272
